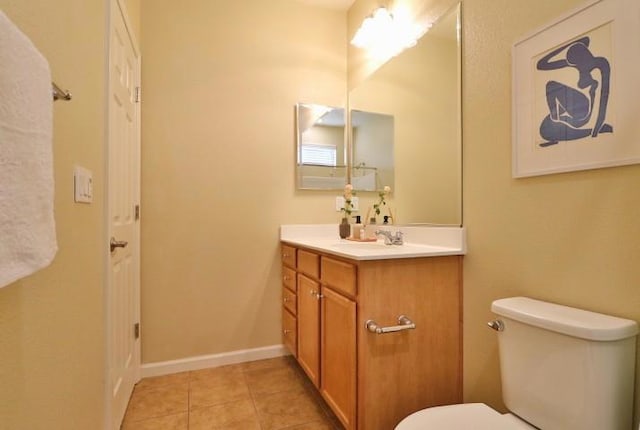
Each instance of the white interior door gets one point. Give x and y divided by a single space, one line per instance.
123 199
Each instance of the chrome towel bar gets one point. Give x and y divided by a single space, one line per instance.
404 323
59 94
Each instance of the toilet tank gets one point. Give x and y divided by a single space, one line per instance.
564 368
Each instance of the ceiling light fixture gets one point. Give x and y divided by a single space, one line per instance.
385 35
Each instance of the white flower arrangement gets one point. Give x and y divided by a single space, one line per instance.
348 201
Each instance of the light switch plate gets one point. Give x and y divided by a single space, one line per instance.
82 185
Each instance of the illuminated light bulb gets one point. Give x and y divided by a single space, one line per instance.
385 35
373 29
363 35
382 18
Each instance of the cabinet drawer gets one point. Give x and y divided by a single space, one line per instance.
288 255
289 332
289 278
339 275
309 263
289 300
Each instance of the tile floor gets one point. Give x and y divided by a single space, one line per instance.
269 394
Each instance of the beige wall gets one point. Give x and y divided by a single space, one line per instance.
51 323
220 81
569 238
134 13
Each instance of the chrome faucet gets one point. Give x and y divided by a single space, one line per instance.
390 238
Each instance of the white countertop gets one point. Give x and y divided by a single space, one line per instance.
419 241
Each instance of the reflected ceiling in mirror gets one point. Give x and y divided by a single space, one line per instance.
321 152
421 89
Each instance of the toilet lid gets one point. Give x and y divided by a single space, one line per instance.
477 416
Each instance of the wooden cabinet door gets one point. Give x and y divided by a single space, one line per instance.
309 327
402 372
338 355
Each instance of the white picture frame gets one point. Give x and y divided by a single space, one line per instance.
576 91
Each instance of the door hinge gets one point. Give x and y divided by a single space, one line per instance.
136 330
137 212
138 95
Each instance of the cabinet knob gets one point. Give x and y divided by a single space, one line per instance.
286 299
316 294
286 331
286 278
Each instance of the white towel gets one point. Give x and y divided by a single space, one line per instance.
27 226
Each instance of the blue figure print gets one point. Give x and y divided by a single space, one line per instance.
570 109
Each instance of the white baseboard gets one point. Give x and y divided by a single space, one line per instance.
214 360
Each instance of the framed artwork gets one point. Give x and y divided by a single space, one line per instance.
576 91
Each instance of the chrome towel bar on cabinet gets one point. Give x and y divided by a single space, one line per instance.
404 323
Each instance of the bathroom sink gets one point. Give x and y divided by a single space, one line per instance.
378 250
375 250
360 245
418 242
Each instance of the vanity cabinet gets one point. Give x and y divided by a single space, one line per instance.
372 381
289 299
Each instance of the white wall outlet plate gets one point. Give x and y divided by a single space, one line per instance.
82 185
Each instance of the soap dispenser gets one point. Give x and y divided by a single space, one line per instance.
356 229
370 229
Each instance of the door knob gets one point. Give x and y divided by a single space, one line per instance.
113 244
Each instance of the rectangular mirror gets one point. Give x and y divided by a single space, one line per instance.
421 90
372 150
321 151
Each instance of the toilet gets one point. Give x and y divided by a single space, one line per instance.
561 367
